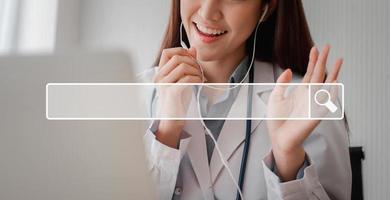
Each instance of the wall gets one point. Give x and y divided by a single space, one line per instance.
68 18
358 31
136 26
27 26
37 26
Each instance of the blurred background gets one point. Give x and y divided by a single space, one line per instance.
358 30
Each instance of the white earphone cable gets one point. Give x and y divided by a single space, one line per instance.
222 158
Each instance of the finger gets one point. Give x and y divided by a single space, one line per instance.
279 90
179 72
320 67
167 54
335 71
192 52
190 79
310 67
174 62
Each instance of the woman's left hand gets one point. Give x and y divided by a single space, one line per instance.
287 136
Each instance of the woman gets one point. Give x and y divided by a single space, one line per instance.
287 159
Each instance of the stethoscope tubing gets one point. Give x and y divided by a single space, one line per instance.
247 140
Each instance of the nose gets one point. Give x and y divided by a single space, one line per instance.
210 10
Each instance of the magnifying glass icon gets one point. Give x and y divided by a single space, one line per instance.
328 103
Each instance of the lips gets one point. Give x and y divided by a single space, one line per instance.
209 31
208 34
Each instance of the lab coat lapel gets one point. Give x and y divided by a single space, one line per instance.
197 150
233 132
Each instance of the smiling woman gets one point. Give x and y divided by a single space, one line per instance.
283 159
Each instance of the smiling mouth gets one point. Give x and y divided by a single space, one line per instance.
208 31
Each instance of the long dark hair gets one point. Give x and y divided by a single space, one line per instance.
284 38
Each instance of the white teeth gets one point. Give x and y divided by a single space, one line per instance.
209 30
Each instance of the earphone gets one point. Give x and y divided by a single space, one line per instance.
216 146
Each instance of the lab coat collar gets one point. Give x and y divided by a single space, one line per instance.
197 151
232 133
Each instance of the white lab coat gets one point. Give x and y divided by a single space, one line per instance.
184 173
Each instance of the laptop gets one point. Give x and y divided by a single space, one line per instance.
45 159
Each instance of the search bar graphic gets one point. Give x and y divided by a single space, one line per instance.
216 101
327 103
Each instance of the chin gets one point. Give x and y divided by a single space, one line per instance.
207 55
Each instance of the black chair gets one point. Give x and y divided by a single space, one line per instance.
357 155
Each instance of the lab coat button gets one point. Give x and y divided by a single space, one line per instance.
178 191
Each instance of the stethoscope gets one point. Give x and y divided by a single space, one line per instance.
247 140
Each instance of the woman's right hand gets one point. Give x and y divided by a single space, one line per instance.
177 65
